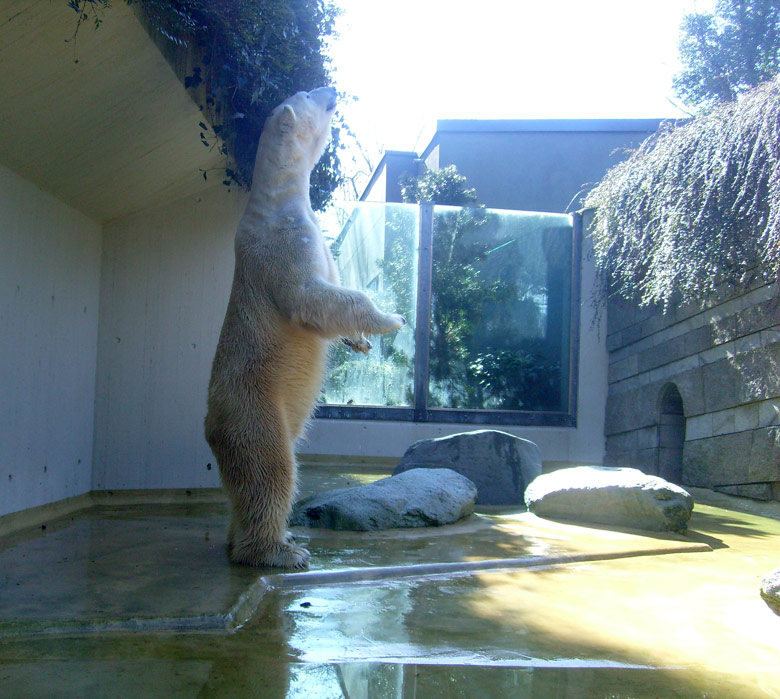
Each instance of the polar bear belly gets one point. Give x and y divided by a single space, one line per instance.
301 370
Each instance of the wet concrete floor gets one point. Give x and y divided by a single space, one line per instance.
139 600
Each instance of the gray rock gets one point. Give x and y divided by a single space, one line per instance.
755 491
418 498
623 497
499 464
770 590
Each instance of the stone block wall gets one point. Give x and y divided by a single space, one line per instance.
694 394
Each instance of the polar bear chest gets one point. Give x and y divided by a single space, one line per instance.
313 249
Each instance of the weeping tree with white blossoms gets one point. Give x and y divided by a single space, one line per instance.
696 207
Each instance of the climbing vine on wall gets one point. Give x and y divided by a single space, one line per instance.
244 58
695 207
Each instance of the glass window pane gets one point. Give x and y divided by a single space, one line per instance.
500 310
376 252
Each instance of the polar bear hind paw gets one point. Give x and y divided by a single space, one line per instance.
280 555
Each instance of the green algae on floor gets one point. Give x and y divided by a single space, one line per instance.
624 622
268 679
155 568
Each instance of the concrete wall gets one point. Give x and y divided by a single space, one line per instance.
165 282
724 359
49 291
534 165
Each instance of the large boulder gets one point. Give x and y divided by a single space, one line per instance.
770 590
623 497
418 498
499 464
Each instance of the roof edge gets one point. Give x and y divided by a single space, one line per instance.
530 125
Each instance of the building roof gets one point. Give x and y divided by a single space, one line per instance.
507 126
526 125
405 156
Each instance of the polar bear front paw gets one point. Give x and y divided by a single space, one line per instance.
358 344
394 322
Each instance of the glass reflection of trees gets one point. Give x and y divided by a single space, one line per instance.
500 301
499 310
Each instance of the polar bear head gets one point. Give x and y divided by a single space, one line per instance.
297 131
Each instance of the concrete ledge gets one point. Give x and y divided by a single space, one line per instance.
704 496
424 570
34 517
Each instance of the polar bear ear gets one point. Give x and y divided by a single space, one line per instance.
287 119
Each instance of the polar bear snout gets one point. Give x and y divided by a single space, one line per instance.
326 97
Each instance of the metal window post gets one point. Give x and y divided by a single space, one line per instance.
422 339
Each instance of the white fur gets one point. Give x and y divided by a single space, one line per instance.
285 304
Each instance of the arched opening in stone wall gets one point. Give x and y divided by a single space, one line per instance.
671 434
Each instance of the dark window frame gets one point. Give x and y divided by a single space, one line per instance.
420 412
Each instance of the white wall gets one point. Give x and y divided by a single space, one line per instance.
49 291
165 282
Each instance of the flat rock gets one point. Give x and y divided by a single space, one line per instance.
770 590
499 464
417 498
623 497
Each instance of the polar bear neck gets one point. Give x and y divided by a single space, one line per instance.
276 187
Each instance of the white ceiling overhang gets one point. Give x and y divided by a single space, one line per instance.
102 122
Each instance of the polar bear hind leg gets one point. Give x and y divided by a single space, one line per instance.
258 471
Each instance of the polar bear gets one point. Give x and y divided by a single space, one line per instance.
285 305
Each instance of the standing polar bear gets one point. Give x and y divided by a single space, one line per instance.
286 303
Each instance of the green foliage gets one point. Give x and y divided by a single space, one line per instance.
247 57
88 10
397 266
385 376
523 377
726 53
446 187
695 207
457 292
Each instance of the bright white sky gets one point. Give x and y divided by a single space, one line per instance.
411 62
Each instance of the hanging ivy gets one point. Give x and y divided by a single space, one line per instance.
246 57
695 207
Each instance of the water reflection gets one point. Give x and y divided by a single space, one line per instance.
399 681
